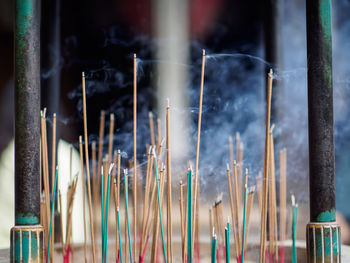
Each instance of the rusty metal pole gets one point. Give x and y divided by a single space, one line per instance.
27 235
323 233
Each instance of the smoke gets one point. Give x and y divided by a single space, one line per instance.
233 101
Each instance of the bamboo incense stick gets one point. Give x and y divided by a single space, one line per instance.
265 188
127 211
190 214
51 217
159 136
239 175
45 170
244 213
110 138
294 227
116 200
249 209
159 207
145 201
100 147
213 249
119 237
169 197
186 227
237 204
151 128
227 243
88 170
106 209
182 220
210 225
135 173
196 182
83 191
234 223
95 188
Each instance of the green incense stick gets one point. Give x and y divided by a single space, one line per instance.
102 212
244 219
106 211
120 242
127 211
227 243
159 205
51 216
294 228
213 250
189 243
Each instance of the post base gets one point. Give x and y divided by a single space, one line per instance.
323 242
27 244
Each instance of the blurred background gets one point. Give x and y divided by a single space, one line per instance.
242 40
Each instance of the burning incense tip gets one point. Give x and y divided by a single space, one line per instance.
118 208
80 139
168 103
190 168
272 127
110 168
93 145
126 172
111 116
54 115
203 52
83 74
134 55
180 182
228 167
234 162
293 200
118 151
270 73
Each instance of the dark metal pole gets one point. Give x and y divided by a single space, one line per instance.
322 229
27 133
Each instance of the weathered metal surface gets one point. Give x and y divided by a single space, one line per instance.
27 112
27 244
320 106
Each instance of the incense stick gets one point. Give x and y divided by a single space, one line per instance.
169 197
119 237
151 128
213 249
100 147
237 204
159 207
83 191
265 189
182 219
53 165
244 212
190 214
294 228
105 230
159 137
135 173
196 182
227 243
234 223
110 137
51 217
95 188
127 211
249 209
88 170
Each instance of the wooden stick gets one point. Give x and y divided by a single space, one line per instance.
266 156
244 213
237 204
210 225
100 148
234 216
182 219
190 216
135 157
186 227
45 170
61 219
83 190
249 209
196 182
94 181
110 138
151 128
283 194
238 154
88 170
159 137
169 197
145 202
116 207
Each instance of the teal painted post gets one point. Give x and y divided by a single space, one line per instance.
27 237
322 244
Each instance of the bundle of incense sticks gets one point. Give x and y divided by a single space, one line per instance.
148 206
